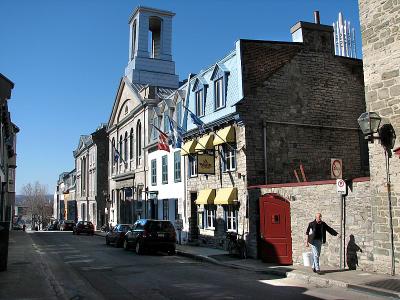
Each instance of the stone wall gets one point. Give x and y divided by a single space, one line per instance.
309 102
380 24
306 199
217 238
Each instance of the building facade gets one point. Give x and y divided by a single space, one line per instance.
8 155
273 112
91 162
149 78
380 21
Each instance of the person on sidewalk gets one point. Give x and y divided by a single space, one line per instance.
316 236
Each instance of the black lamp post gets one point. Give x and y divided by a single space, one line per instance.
369 123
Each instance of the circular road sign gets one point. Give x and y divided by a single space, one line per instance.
337 168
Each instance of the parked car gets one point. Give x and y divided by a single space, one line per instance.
67 225
117 234
151 235
53 226
83 227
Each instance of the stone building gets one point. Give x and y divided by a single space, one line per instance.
8 155
290 108
380 23
64 200
149 78
91 163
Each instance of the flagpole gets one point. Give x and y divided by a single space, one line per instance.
120 156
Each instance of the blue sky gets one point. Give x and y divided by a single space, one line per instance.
67 57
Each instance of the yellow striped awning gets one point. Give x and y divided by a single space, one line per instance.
225 135
226 196
206 196
189 147
205 143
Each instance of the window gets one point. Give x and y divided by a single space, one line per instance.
179 113
219 93
153 172
177 166
166 122
113 153
200 103
231 218
138 144
210 212
131 144
133 46
126 146
94 212
228 158
176 209
192 165
165 169
200 219
165 209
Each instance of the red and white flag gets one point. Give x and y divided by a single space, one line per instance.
163 141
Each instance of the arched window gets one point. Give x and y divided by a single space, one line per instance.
131 144
126 146
138 143
120 148
133 46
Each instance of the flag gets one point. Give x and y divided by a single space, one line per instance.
116 155
176 134
196 120
163 141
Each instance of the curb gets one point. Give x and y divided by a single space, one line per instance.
293 274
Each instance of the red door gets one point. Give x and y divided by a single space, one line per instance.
275 229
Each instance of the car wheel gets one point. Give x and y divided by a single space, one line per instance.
139 248
171 251
126 245
107 241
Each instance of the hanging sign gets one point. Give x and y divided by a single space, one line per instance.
336 168
206 164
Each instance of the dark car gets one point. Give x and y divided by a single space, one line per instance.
151 235
83 227
53 226
117 234
67 225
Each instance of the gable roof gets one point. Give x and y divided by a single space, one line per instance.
199 80
218 67
84 142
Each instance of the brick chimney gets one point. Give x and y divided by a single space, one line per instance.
315 36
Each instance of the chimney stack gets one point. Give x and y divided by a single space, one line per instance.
316 17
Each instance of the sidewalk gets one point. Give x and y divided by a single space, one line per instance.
382 285
27 272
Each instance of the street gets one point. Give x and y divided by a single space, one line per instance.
83 267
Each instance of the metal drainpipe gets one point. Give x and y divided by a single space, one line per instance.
265 153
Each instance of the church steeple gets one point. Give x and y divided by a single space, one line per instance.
150 48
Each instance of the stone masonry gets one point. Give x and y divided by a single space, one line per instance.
306 199
380 25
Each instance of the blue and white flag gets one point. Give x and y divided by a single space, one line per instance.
196 120
176 134
116 155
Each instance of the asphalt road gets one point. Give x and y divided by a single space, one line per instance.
83 267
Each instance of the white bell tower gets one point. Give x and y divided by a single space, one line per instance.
150 48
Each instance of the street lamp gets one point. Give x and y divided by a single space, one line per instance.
369 123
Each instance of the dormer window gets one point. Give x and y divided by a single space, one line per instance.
200 90
219 93
200 103
219 76
179 113
166 122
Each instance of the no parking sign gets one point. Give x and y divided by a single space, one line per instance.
341 186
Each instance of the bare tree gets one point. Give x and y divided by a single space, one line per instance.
37 203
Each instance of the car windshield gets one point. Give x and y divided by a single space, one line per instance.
124 227
160 226
86 223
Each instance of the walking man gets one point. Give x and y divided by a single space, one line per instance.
316 236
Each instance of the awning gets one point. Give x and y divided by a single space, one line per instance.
205 143
206 197
226 196
189 147
225 135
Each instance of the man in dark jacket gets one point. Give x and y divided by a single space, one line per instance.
316 236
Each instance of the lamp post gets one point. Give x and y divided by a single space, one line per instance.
369 123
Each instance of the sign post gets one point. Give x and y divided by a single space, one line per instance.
341 188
